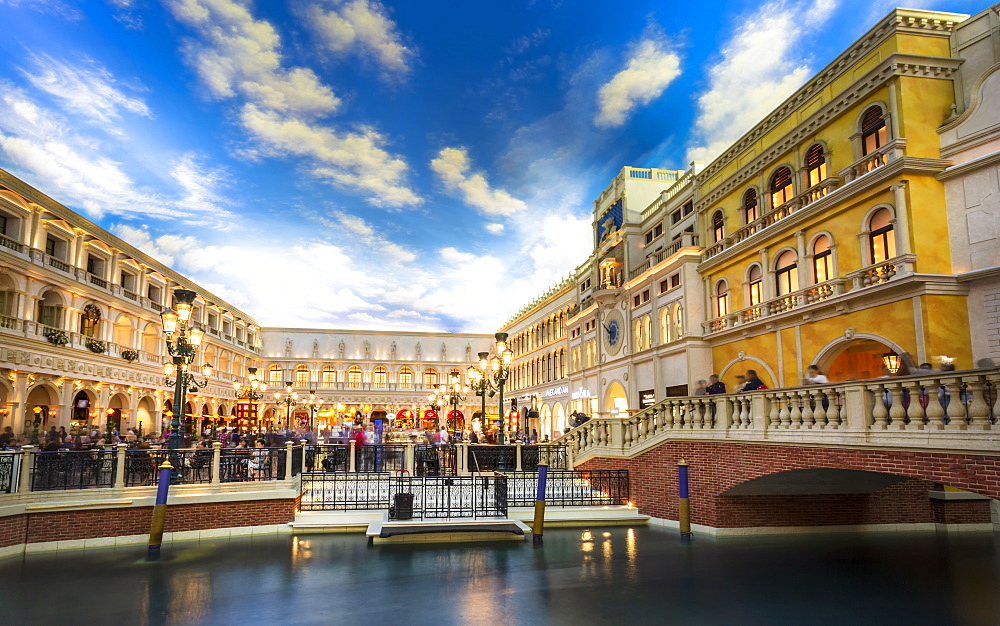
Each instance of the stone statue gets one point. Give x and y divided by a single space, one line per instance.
368 350
288 348
341 348
419 351
468 352
315 348
444 352
392 351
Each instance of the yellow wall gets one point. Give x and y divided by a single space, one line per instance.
946 329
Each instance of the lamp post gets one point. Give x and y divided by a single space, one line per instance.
314 404
252 391
450 394
500 364
183 342
290 400
480 382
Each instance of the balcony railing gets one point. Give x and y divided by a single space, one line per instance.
7 242
941 410
130 295
685 240
871 162
59 265
10 323
97 280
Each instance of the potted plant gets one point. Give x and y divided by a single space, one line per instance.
57 337
95 345
130 355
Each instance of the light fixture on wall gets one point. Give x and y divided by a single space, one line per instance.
891 361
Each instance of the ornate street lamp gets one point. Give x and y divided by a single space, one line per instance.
480 381
450 394
183 342
314 405
494 373
252 392
290 400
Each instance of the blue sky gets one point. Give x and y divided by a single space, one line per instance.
385 165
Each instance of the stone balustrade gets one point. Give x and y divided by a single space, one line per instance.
940 410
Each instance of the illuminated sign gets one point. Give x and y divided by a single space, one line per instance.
647 398
556 391
581 394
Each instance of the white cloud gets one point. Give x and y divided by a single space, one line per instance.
650 68
495 228
762 65
84 88
51 7
239 57
72 167
361 25
452 167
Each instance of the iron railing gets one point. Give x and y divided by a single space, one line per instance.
571 488
333 491
193 466
379 458
297 452
251 464
329 457
552 455
10 466
431 460
62 470
486 458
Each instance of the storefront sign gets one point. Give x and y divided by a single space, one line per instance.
581 394
647 398
556 391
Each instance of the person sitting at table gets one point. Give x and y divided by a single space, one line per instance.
258 457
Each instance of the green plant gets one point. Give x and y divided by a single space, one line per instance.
96 345
130 355
57 337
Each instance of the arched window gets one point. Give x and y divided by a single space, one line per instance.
718 226
50 310
882 241
815 165
274 374
406 378
755 292
151 339
224 363
665 325
90 320
328 376
123 331
380 378
678 320
750 206
430 377
354 376
8 297
209 357
782 189
873 130
647 330
637 334
721 298
785 273
822 259
301 376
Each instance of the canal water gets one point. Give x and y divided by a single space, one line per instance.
614 575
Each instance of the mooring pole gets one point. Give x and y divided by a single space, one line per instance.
683 504
539 524
159 512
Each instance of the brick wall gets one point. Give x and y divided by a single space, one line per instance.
70 525
716 467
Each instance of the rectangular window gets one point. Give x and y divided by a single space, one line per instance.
213 321
153 293
675 280
675 216
664 285
688 207
7 303
50 246
127 281
227 328
301 378
95 265
756 295
3 224
637 300
406 379
645 296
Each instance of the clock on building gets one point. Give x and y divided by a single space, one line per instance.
613 332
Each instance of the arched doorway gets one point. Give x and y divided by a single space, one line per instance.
544 421
558 420
145 415
83 402
40 414
860 359
117 412
615 401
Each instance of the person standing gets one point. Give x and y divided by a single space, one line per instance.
716 386
753 383
741 382
701 390
815 377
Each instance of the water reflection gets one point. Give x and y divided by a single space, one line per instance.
621 575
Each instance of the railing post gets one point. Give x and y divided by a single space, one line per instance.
759 411
517 456
722 412
303 443
858 405
569 458
351 467
120 465
288 460
26 462
216 462
618 434
409 458
462 450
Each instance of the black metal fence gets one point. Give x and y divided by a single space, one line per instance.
485 458
142 466
251 464
386 457
341 491
445 497
52 471
555 456
571 488
10 465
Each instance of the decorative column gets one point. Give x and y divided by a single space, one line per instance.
216 462
120 465
902 221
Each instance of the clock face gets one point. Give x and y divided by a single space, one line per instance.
614 332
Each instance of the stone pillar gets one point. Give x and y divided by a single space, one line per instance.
352 467
288 460
517 457
569 456
902 222
120 465
27 459
19 403
303 443
216 462
409 458
803 267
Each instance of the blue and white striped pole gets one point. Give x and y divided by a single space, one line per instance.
159 512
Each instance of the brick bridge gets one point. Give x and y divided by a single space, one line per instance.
908 450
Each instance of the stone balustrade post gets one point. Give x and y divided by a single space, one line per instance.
759 411
569 458
27 460
723 412
216 462
351 465
288 460
303 443
858 406
120 465
618 434
519 446
409 458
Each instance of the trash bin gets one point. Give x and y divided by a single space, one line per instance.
403 505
